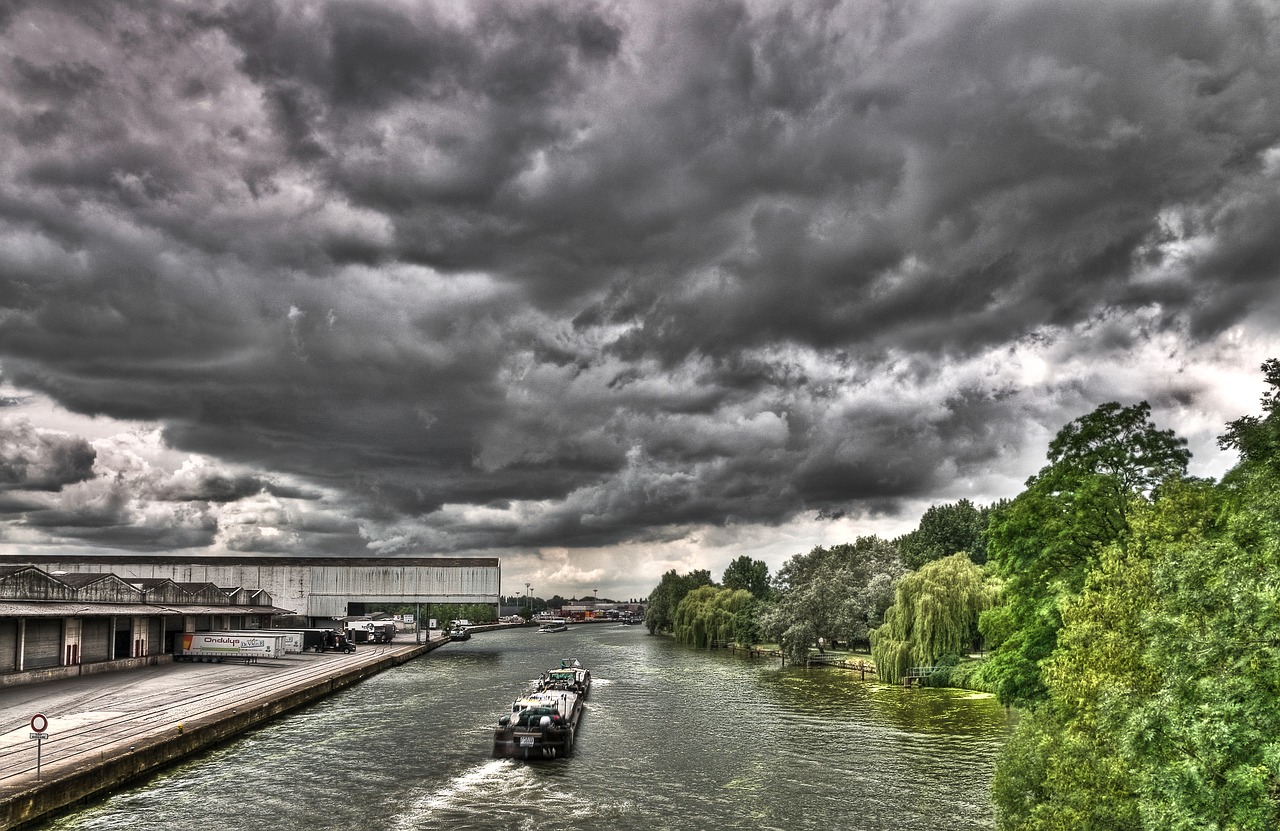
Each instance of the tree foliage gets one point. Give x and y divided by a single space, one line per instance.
711 614
749 575
1161 705
1119 444
1043 542
934 614
945 530
1258 438
1207 740
660 614
837 594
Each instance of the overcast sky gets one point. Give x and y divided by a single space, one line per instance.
606 289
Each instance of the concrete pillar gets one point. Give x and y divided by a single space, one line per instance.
72 637
139 637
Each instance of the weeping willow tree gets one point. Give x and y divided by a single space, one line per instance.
710 614
934 614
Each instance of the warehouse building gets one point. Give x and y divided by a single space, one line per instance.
66 615
55 625
318 589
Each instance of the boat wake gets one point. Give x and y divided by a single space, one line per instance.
463 791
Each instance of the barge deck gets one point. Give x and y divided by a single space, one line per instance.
542 723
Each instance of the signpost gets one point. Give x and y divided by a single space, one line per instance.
39 728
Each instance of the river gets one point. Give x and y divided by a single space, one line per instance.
673 738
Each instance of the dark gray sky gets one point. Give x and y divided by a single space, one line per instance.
610 288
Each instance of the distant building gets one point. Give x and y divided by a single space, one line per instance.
601 611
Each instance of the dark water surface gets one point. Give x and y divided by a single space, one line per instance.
673 738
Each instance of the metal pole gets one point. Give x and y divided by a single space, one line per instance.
39 748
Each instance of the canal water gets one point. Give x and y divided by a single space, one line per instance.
673 738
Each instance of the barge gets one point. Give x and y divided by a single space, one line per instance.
542 723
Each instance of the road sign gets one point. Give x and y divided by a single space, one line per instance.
39 724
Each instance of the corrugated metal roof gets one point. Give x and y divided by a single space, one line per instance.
257 560
147 582
13 608
84 578
225 610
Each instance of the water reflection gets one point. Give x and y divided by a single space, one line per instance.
918 709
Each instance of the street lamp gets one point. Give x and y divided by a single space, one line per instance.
528 601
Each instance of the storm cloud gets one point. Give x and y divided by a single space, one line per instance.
531 278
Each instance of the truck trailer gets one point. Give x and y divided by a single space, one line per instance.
311 638
294 641
217 647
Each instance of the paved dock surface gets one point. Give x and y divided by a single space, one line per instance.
104 729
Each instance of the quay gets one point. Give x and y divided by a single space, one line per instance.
108 729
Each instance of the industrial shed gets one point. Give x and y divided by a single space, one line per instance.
60 623
318 589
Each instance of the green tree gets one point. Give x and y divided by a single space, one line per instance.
748 574
837 594
660 614
1044 541
945 530
1258 439
1205 741
710 614
1162 689
934 615
1093 755
1067 765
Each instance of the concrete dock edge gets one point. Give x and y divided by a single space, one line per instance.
59 792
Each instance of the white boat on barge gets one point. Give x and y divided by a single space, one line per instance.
542 724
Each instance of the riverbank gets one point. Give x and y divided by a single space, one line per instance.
851 661
964 675
107 730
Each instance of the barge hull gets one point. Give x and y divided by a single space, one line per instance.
507 744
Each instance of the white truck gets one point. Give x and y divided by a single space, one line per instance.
375 631
216 647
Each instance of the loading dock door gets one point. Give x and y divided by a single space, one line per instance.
43 648
172 628
155 635
8 645
95 640
124 638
